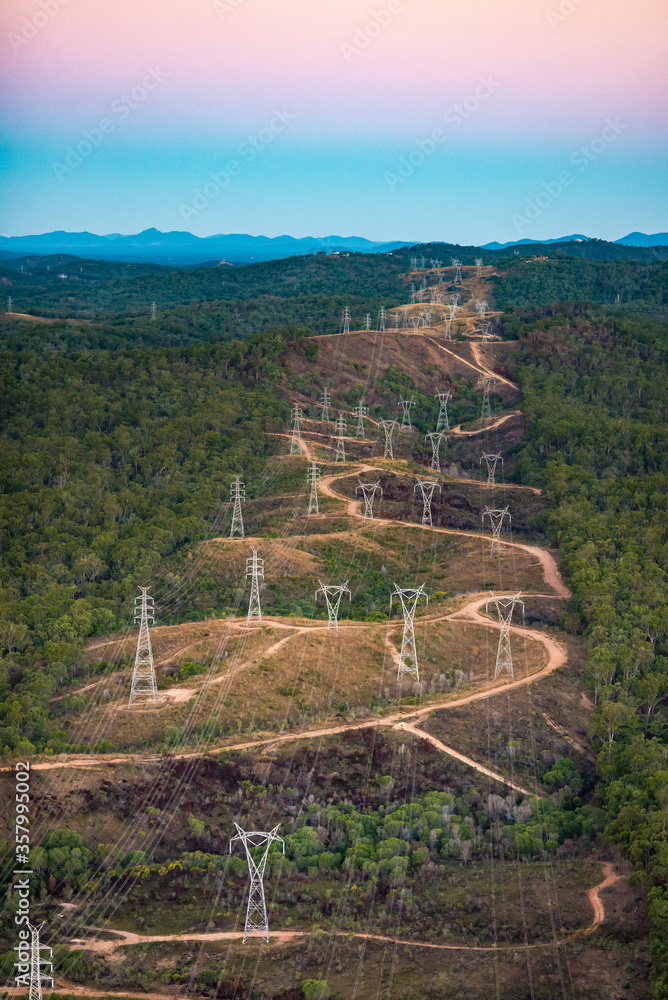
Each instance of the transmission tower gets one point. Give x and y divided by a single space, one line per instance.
452 312
369 491
423 263
426 487
333 594
296 439
505 608
345 319
492 462
416 323
367 321
324 404
478 267
237 497
381 319
487 383
340 438
443 424
153 310
256 911
412 294
496 519
405 405
360 412
396 320
254 570
143 675
435 438
312 478
457 264
408 663
482 305
39 978
10 304
413 263
388 426
484 329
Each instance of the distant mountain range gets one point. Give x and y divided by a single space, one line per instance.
183 248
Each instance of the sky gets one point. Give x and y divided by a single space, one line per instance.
464 121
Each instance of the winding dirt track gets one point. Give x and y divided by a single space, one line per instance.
128 938
398 720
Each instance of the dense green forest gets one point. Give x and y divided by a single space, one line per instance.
109 462
595 390
637 286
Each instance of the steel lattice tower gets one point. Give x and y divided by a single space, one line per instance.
427 487
333 594
405 405
388 426
153 310
256 911
505 608
341 427
478 267
443 424
405 319
396 320
482 305
324 404
492 461
10 304
38 978
237 497
408 662
369 491
312 478
457 264
143 675
496 518
296 439
345 318
435 438
367 321
484 329
361 411
487 383
254 570
381 319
